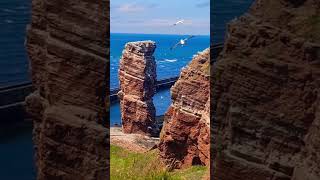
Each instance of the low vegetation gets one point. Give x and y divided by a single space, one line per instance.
127 165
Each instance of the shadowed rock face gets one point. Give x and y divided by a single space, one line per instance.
67 47
137 75
266 94
185 135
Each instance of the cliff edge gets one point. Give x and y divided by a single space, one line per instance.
184 139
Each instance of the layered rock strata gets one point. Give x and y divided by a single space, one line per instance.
67 44
137 75
185 135
266 94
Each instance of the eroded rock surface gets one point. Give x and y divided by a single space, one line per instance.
137 75
185 136
266 94
67 47
132 142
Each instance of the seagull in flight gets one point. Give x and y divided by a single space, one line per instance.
182 42
179 22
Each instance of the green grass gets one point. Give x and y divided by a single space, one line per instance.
127 165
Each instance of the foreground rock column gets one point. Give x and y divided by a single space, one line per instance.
266 94
185 137
67 46
137 75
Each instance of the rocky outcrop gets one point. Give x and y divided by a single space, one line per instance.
266 94
185 135
67 44
137 75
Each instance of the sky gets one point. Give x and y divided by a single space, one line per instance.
158 16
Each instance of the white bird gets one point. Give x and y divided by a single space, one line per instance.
182 42
179 22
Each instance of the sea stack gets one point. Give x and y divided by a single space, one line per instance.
137 75
185 137
266 94
67 46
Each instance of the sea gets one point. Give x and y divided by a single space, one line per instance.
169 63
14 16
16 148
222 12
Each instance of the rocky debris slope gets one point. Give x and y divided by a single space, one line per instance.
185 136
137 75
67 44
266 94
132 142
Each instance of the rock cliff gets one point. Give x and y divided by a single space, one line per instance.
185 135
137 75
265 96
67 43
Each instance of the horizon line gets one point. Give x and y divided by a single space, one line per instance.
160 34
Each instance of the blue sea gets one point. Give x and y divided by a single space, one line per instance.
14 16
16 152
222 11
169 62
16 148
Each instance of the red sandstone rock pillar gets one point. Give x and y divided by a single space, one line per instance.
137 75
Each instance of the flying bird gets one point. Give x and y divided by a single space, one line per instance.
182 42
179 22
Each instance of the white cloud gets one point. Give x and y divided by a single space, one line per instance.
194 26
130 8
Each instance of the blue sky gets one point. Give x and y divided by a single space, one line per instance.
157 16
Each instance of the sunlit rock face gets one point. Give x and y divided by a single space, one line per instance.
67 44
265 94
185 135
137 75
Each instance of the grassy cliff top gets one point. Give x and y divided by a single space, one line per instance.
125 164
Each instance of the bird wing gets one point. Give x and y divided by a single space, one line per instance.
186 39
175 46
178 22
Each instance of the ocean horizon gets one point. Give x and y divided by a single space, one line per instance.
160 34
169 63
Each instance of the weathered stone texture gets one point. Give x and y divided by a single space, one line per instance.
68 51
266 94
137 75
185 136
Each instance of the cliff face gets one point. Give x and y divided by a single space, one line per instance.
266 94
185 136
67 47
137 75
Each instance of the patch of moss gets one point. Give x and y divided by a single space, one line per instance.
144 166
